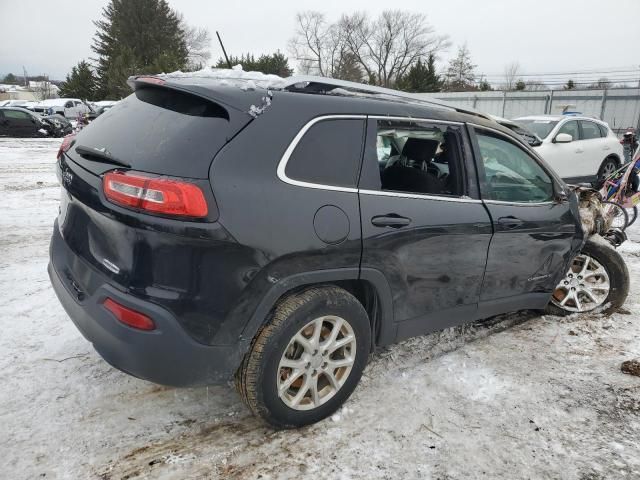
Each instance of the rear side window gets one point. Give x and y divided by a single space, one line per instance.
329 153
603 130
590 130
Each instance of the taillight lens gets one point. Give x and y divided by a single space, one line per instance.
156 195
129 316
66 144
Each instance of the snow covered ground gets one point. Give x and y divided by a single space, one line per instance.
521 396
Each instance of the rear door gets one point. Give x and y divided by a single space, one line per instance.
423 225
537 228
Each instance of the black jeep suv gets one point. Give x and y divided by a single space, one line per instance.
208 231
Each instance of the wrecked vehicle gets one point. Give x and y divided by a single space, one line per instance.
20 122
301 225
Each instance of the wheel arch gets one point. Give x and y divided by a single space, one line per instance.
368 285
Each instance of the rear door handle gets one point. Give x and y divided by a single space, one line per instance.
579 150
392 220
510 222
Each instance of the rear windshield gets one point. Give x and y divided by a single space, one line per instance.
161 131
542 128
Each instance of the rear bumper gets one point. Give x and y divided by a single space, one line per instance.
166 355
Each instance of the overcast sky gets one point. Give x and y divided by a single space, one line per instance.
542 35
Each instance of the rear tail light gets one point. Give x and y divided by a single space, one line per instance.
66 144
155 195
128 316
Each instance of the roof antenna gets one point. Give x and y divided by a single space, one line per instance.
223 50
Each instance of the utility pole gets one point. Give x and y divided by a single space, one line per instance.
24 72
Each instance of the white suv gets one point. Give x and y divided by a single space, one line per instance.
578 148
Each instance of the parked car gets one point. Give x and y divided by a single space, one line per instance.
578 148
97 111
67 107
208 232
14 103
19 122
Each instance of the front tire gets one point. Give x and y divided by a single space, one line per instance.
597 277
306 362
608 166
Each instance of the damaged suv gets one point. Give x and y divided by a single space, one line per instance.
278 233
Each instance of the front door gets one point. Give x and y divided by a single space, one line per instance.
423 225
537 228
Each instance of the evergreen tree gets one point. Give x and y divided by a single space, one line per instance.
348 68
421 77
10 79
485 86
136 37
570 85
520 85
461 71
80 83
274 64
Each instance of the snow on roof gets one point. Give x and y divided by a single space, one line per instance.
234 76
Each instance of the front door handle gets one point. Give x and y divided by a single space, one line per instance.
579 150
392 220
510 222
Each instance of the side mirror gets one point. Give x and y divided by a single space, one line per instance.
563 138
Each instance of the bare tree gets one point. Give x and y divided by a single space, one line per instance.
536 85
42 89
384 47
198 42
511 72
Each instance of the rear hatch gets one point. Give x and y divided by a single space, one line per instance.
167 131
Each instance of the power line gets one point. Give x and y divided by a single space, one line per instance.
580 72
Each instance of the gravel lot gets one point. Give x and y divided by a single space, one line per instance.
520 396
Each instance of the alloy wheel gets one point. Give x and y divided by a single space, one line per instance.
316 363
585 286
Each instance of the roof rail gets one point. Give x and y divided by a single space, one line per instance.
312 83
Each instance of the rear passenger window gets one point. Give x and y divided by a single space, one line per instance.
419 157
589 130
329 153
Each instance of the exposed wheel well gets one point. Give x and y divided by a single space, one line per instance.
364 291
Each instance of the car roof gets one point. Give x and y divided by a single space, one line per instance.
20 109
318 95
558 118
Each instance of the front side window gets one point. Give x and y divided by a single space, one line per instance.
16 114
329 153
510 173
571 128
590 130
419 157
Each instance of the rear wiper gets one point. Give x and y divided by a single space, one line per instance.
101 154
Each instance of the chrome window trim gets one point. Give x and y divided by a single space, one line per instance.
282 165
387 193
520 204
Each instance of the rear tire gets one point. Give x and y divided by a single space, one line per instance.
616 275
607 167
283 381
